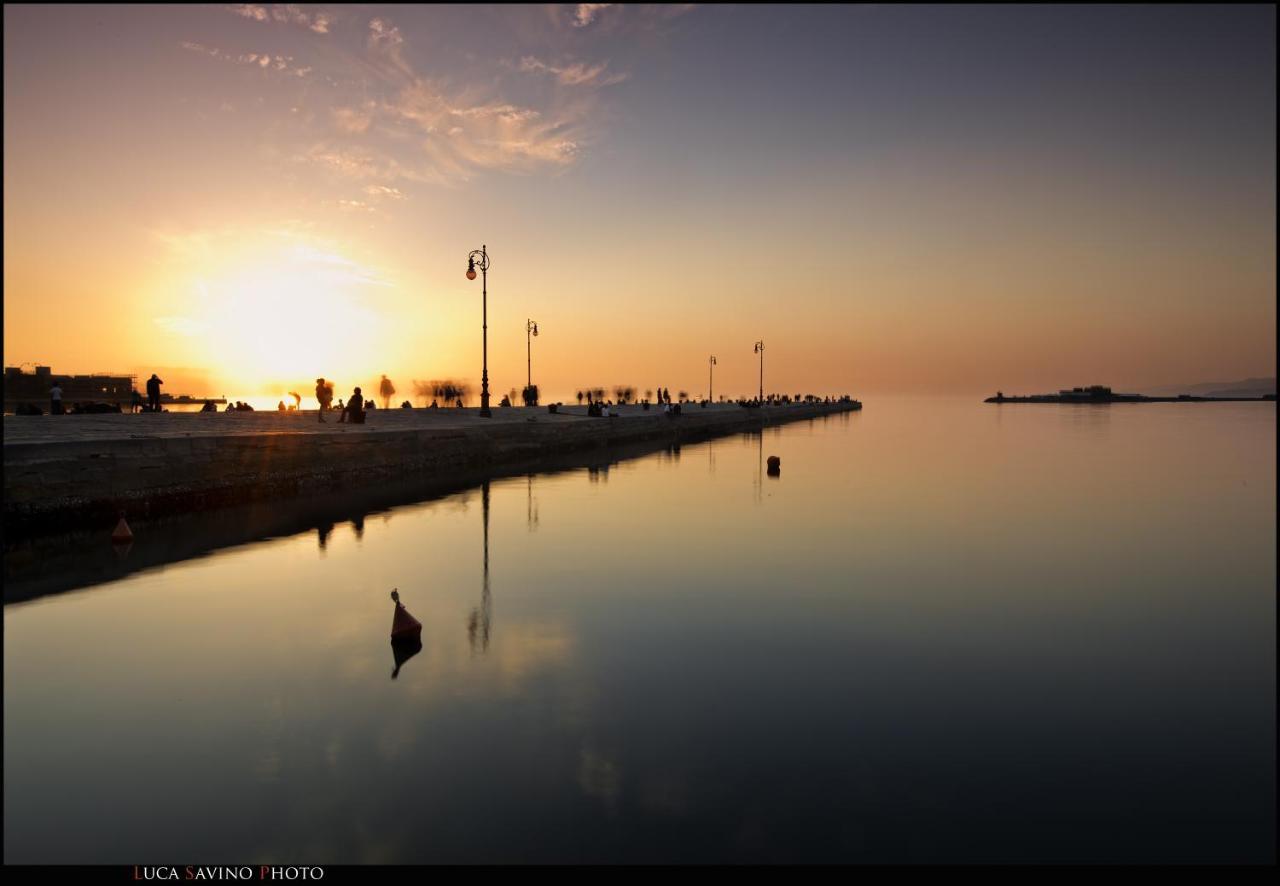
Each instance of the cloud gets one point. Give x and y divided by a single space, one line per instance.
575 74
263 60
284 13
374 116
384 34
462 136
248 10
357 163
352 120
384 192
586 13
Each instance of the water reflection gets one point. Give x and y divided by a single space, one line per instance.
531 508
481 617
779 700
402 651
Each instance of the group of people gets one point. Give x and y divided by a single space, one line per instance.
56 406
354 409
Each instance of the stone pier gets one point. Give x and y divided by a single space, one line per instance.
67 472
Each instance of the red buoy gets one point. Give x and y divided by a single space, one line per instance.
122 534
403 625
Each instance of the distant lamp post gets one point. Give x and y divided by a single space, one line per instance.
711 377
530 330
480 257
760 351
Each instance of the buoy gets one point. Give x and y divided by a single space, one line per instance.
775 464
403 625
122 534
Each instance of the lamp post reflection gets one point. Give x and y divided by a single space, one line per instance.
531 514
478 623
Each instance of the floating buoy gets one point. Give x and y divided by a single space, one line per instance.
403 625
775 464
122 534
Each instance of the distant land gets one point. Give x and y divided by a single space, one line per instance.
1249 387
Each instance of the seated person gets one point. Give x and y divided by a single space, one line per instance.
354 410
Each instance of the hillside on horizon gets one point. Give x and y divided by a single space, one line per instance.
1249 387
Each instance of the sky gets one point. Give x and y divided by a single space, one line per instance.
893 199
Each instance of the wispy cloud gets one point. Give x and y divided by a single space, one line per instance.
572 74
377 114
384 192
383 34
263 60
586 13
284 13
353 120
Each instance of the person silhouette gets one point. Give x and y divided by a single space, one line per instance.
153 392
324 396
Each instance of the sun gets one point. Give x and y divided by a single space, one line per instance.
279 319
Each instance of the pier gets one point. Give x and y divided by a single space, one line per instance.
66 472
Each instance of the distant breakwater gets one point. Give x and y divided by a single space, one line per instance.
58 476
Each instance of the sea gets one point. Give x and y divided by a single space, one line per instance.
942 631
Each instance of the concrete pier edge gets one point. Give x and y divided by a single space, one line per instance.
79 484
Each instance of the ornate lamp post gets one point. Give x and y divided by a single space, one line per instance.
530 330
760 351
480 257
711 377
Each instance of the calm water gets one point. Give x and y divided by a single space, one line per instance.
949 631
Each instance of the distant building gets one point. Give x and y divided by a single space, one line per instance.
33 388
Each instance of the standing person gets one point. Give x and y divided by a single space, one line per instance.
153 392
324 396
297 401
135 401
55 399
387 390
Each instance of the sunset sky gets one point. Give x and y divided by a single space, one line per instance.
908 199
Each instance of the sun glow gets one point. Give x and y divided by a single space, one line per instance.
273 318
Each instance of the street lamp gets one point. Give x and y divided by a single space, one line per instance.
711 377
530 330
760 351
483 262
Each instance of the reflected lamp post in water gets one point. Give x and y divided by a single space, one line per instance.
478 623
760 351
480 258
530 330
711 378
